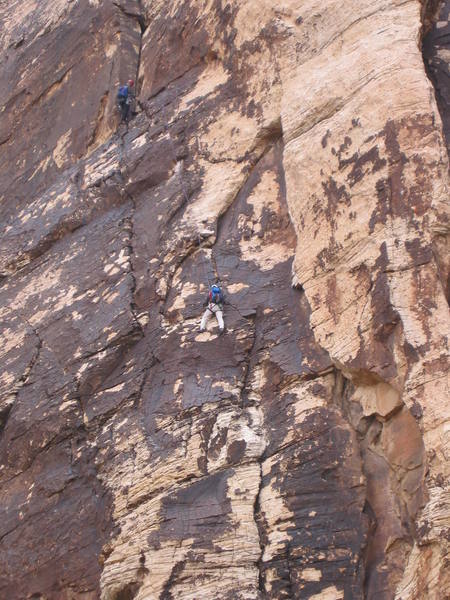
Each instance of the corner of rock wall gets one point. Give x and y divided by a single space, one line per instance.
367 185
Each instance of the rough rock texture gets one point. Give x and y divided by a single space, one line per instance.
436 54
296 151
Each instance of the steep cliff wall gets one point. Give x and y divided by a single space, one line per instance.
296 151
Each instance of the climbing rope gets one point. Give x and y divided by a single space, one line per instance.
203 264
206 274
228 303
199 237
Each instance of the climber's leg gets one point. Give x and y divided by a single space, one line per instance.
123 107
219 317
205 318
125 111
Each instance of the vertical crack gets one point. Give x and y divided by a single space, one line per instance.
154 360
20 383
248 362
143 25
128 226
81 405
37 354
257 516
139 17
377 415
4 414
435 49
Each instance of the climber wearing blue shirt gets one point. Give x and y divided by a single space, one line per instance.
124 96
214 304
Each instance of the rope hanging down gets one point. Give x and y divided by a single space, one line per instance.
203 261
206 276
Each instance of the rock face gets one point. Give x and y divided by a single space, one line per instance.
295 150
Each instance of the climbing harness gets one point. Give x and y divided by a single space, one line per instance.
236 309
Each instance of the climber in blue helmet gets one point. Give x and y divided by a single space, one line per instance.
214 306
